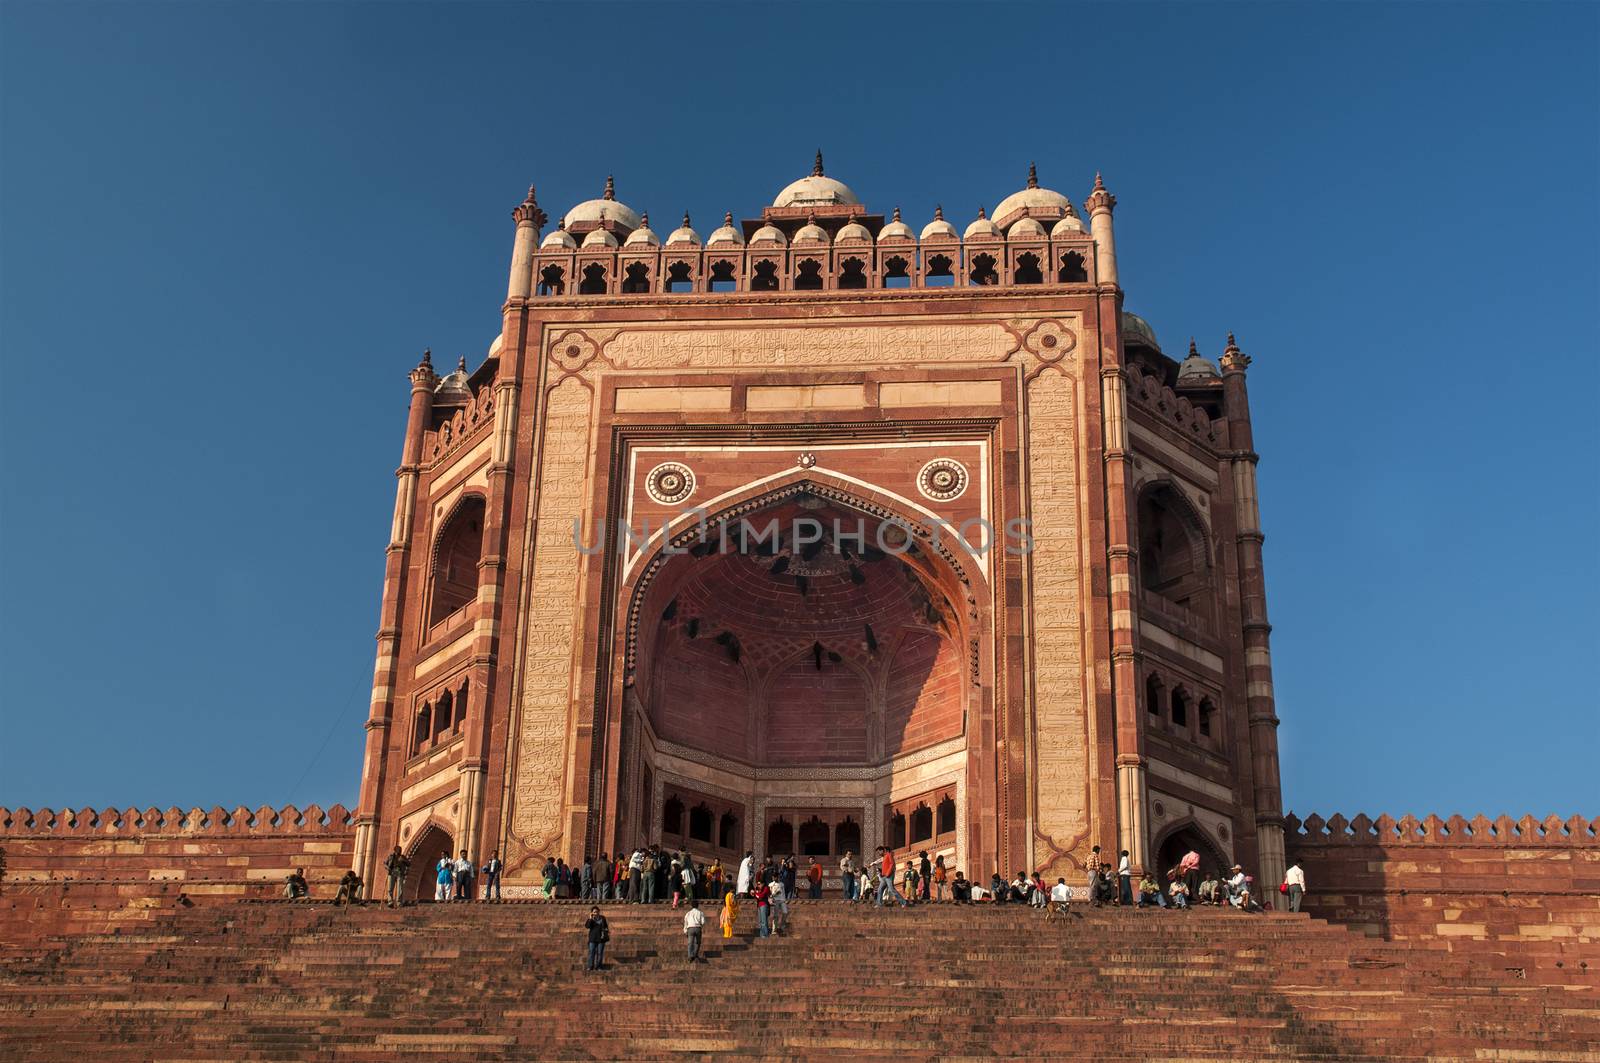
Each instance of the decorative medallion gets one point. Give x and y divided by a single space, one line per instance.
807 460
670 483
1160 810
942 479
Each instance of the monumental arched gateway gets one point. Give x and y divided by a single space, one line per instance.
609 683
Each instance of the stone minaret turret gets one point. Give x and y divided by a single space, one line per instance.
530 219
1260 704
1100 205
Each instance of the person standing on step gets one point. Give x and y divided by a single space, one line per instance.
941 877
491 877
779 916
1094 876
636 875
463 886
691 879
1124 880
925 875
599 933
763 896
747 867
675 881
650 869
396 865
814 876
548 874
847 876
791 878
730 913
600 874
694 924
444 878
1295 880
908 882
585 880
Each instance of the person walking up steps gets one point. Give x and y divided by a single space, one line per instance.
396 865
730 914
599 933
763 897
1295 880
694 924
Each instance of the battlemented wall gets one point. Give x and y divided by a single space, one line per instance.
77 871
1521 895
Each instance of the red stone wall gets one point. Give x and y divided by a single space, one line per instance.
923 703
815 715
81 871
1521 895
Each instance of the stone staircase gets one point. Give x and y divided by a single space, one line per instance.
282 981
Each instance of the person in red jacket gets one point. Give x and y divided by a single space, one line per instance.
763 896
886 886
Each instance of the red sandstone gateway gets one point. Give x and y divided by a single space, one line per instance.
1001 708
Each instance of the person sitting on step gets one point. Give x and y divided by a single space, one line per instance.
1179 891
1239 888
294 886
960 889
1060 899
1210 889
1150 893
999 892
349 888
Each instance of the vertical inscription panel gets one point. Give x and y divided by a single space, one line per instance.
552 603
1061 735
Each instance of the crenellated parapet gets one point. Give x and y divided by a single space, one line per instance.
133 822
1551 831
1149 393
465 423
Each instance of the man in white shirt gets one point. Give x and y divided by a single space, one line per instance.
1239 889
1295 879
746 870
1060 897
694 922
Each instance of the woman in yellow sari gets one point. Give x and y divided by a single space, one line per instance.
730 914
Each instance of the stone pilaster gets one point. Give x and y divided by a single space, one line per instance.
530 219
1261 710
380 712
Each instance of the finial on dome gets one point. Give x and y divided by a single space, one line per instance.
811 217
727 218
1231 344
1193 351
611 188
1033 176
938 212
686 219
816 169
897 214
427 357
461 365
981 213
1099 184
644 220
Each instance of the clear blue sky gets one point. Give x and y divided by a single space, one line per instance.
228 230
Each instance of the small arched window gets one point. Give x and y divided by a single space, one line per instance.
594 280
847 837
728 831
424 729
1180 707
455 560
808 276
1028 271
461 706
764 278
896 272
441 715
700 823
1072 269
1207 710
680 278
722 277
983 271
921 823
1172 553
940 272
1152 694
852 273
946 816
552 280
813 837
780 837
672 816
897 831
636 279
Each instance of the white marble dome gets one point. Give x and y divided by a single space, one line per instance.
853 230
1137 330
1026 229
599 238
643 236
896 229
1067 226
558 240
726 233
683 235
811 233
606 208
981 228
1195 368
818 190
938 228
768 234
1044 202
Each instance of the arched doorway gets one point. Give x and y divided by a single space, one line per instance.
431 845
811 635
1187 838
